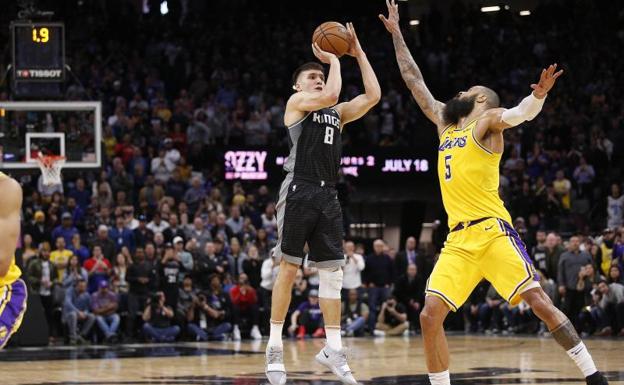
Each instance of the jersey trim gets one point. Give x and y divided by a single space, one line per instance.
445 128
479 144
299 121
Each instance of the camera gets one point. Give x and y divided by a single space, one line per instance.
155 300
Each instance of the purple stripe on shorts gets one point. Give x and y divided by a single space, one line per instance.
13 310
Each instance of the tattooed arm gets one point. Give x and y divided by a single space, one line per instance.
412 76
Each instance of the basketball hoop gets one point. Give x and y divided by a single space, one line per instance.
51 168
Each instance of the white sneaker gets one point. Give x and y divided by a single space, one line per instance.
255 333
236 334
336 361
379 333
274 369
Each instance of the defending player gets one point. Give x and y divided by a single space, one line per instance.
481 243
12 289
308 210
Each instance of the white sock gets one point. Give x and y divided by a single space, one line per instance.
333 338
581 357
441 378
275 338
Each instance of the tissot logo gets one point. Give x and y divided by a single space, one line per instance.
39 74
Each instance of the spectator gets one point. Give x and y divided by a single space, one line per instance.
490 312
392 319
245 308
553 255
378 276
612 306
158 316
74 272
81 194
162 167
170 269
221 229
409 256
107 245
152 193
252 266
140 279
79 249
195 194
121 235
119 277
236 258
104 304
354 315
235 221
562 187
570 265
615 207
615 275
198 232
175 230
307 319
98 267
410 292
157 225
38 228
187 296
269 221
353 268
66 229
584 177
142 235
77 312
185 258
60 257
41 277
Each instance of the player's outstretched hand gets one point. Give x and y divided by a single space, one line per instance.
355 49
392 21
547 81
323 56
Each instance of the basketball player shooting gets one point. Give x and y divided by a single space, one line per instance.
308 210
12 289
481 243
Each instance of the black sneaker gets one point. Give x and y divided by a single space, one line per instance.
597 379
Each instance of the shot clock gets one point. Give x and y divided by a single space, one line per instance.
38 51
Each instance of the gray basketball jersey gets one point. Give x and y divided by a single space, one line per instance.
315 146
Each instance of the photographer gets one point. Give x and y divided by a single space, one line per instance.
157 317
354 315
392 319
208 317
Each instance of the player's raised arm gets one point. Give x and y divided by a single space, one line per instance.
9 221
358 106
312 101
412 76
529 107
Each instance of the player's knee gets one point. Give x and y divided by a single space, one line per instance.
330 283
431 317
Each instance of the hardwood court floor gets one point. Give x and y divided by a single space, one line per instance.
474 360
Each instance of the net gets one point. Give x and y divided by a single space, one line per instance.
51 168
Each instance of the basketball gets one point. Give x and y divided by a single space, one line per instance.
332 37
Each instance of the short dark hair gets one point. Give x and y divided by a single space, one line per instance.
306 67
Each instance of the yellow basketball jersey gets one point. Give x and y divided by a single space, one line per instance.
14 272
469 177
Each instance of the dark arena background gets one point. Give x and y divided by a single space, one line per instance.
169 116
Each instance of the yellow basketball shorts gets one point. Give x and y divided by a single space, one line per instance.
490 249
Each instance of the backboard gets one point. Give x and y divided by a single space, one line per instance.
69 129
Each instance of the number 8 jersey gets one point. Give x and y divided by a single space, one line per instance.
469 177
315 147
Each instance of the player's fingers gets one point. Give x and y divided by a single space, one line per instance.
555 76
388 4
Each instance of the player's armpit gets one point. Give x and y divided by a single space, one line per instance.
9 222
355 108
494 120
